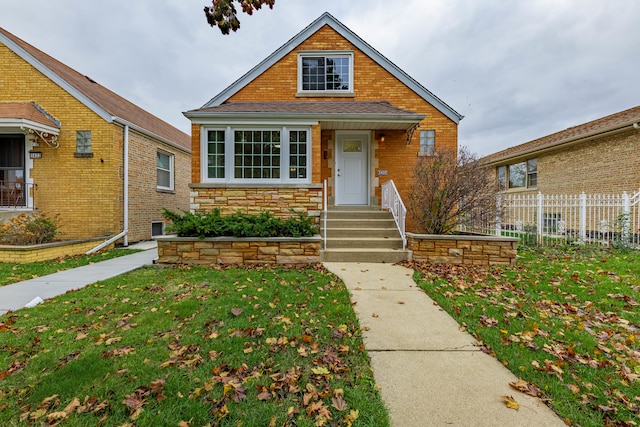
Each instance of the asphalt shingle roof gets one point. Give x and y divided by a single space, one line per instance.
27 111
592 128
311 107
109 101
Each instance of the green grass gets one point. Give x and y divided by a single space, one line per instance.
191 347
565 320
12 272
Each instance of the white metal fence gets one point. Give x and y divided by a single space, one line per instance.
551 219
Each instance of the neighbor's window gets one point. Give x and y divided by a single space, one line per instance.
164 167
427 142
83 142
269 154
321 72
532 172
519 175
502 177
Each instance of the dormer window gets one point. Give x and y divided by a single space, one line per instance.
325 73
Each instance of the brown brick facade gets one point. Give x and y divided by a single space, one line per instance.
372 82
87 193
605 165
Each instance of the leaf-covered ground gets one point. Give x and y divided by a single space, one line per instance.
565 321
190 347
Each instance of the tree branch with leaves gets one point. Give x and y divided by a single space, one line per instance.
223 13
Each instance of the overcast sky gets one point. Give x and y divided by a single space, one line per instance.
516 69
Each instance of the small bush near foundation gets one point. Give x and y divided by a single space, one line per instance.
29 229
238 224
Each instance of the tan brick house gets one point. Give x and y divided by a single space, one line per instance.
601 156
324 106
72 147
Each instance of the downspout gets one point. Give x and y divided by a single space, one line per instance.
124 232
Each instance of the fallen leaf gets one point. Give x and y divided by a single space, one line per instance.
510 402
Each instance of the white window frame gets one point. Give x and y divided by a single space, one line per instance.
326 54
229 175
171 170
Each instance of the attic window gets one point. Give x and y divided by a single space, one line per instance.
322 72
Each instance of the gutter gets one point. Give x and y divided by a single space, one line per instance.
125 212
567 142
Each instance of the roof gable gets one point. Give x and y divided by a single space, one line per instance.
105 103
595 128
354 39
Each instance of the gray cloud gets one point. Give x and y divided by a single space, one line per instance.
517 70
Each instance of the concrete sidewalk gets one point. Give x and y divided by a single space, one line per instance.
17 295
430 373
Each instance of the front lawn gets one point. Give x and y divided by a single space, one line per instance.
191 347
565 321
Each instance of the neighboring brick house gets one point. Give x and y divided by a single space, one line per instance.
601 156
324 106
70 146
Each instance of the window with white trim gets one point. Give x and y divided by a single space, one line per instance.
266 154
325 72
427 142
164 168
215 154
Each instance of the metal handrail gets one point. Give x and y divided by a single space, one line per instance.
391 200
324 214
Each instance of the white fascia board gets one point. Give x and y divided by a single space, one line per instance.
56 78
18 123
252 122
328 19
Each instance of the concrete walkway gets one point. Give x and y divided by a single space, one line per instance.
430 373
17 295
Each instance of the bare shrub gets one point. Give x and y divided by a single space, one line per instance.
450 191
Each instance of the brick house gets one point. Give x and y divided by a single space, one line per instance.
324 106
601 156
70 146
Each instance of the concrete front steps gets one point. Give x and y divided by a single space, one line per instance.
362 234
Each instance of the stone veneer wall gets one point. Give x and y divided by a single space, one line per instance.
47 251
463 249
279 200
233 250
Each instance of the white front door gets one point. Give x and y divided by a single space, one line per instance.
352 167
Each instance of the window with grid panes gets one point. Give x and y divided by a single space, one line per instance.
215 153
297 154
83 141
257 154
326 72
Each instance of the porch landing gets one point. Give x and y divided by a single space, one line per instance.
362 234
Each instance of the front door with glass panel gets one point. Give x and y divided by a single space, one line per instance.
352 168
